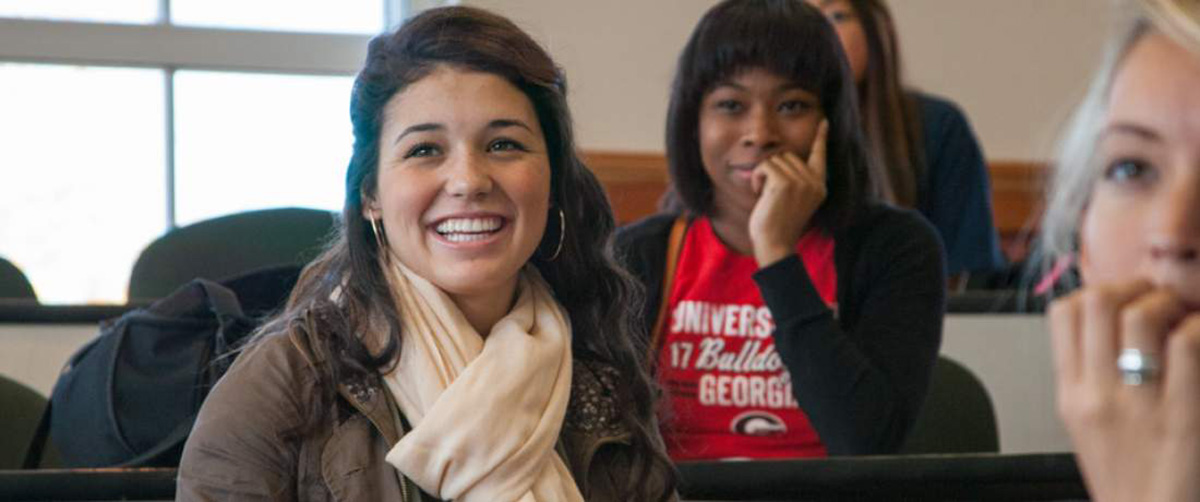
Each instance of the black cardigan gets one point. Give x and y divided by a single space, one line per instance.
861 378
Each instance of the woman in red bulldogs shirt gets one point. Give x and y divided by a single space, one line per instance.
795 316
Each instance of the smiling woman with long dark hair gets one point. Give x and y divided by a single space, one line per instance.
466 336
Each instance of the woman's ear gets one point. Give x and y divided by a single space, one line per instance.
370 208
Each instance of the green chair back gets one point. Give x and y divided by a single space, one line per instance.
958 415
13 283
20 409
228 246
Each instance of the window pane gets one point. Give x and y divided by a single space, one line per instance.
252 141
84 183
113 11
343 16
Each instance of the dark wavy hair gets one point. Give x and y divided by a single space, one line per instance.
793 40
344 292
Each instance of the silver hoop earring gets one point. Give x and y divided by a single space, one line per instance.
562 234
379 238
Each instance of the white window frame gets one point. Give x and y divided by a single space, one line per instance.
170 47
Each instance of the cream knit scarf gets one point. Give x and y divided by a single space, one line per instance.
486 413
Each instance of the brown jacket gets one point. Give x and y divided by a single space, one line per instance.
235 451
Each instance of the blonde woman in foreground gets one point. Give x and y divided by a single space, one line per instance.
1125 210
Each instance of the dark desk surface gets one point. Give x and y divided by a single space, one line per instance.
929 477
30 312
88 484
26 312
923 477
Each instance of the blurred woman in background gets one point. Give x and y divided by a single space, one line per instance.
932 159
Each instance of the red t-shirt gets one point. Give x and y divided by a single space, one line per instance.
728 393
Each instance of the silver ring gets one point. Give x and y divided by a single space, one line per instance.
1137 367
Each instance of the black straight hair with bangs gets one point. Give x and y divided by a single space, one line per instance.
795 41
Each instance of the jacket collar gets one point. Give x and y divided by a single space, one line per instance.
365 396
375 403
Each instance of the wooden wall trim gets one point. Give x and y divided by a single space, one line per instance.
627 167
636 180
1013 175
1018 190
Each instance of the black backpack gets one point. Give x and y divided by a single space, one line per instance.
129 398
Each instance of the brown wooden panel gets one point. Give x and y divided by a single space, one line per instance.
1017 195
1017 189
635 181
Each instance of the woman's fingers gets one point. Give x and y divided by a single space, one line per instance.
811 171
766 172
1064 317
816 156
1147 319
758 178
1181 374
1121 425
1102 306
798 169
780 171
789 191
1145 323
798 172
1179 412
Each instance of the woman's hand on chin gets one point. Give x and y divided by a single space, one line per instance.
1137 435
789 191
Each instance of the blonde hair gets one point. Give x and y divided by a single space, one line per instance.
1077 168
1179 19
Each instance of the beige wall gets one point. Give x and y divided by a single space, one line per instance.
1015 66
619 56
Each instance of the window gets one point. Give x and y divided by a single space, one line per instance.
109 11
84 185
341 16
249 141
123 118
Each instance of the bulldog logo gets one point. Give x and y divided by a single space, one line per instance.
757 423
